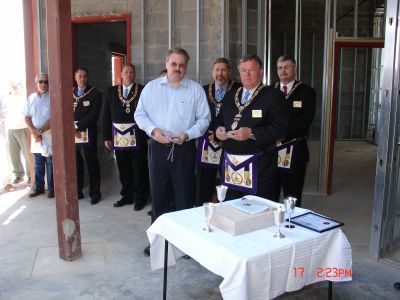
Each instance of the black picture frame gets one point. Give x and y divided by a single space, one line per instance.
321 223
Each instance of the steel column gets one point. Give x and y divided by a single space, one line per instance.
198 40
244 27
171 38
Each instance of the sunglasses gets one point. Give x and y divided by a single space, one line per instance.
43 81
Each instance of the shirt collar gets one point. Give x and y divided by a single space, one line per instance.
223 87
289 85
184 82
251 91
128 87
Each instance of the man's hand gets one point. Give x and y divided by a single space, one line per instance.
161 136
108 145
180 139
220 133
35 132
241 134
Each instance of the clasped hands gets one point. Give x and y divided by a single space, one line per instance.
241 134
164 137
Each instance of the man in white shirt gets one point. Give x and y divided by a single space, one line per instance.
17 134
37 118
173 110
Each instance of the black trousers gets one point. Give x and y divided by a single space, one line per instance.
206 181
292 182
133 175
92 163
172 177
266 179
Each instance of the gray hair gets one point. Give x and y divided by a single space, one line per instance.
180 51
254 57
40 74
286 57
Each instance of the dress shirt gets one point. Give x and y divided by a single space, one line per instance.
183 108
289 86
38 108
128 88
15 105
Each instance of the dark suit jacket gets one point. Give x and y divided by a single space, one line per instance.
301 108
114 112
267 128
88 109
234 87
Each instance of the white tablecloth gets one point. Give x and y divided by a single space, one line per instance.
254 265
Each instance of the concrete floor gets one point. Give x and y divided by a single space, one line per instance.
113 265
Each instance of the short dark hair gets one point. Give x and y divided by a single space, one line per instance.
286 57
254 57
222 60
130 66
180 51
82 69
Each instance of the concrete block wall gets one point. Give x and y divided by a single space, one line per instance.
184 35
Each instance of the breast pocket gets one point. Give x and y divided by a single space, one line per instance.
185 109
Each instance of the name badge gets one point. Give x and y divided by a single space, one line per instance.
86 103
297 104
256 113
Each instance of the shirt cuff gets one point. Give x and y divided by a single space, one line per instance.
150 129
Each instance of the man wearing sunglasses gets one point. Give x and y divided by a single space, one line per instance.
300 100
37 118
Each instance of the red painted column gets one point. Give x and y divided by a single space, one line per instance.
58 16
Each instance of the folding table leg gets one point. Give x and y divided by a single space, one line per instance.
330 289
165 270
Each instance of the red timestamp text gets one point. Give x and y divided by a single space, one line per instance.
334 273
325 272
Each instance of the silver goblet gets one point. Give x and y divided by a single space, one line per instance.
209 209
279 218
221 193
290 205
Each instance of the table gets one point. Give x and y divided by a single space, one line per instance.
254 265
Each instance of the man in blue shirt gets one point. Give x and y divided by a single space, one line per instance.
37 118
173 111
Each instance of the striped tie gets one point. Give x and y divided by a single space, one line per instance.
245 98
219 95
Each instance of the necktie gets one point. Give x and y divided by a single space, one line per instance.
284 89
219 95
245 98
80 91
126 93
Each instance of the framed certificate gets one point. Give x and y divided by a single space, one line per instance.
316 222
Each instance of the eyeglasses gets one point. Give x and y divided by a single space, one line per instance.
287 67
43 82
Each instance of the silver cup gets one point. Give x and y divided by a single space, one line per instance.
221 193
279 218
209 209
290 205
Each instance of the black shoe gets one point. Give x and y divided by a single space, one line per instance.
18 180
397 286
81 196
138 207
94 200
35 193
122 202
50 194
149 213
146 251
